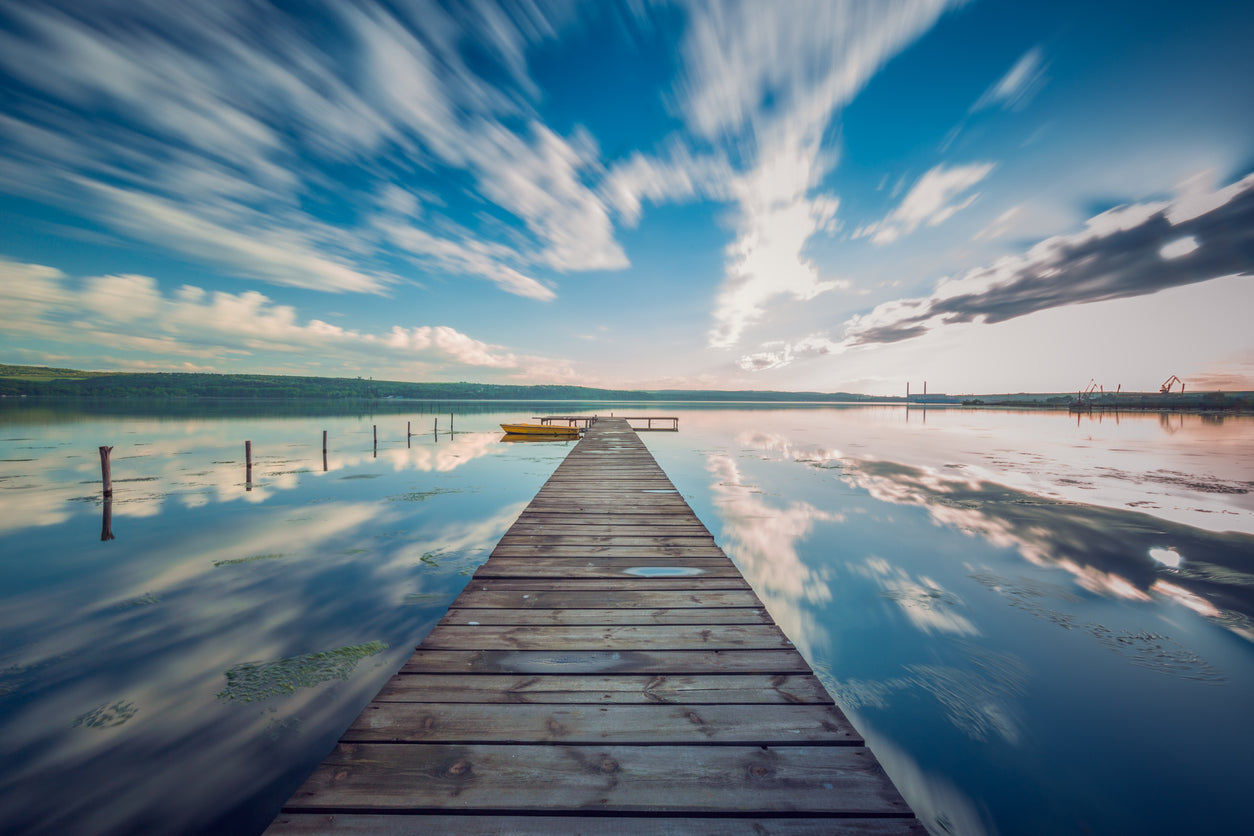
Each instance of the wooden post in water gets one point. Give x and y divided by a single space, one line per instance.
105 475
248 465
106 520
450 425
324 451
409 432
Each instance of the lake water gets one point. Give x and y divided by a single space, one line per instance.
1041 622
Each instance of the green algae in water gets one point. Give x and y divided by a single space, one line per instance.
425 598
108 716
254 681
421 496
145 600
235 561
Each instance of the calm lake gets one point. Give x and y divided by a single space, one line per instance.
1041 622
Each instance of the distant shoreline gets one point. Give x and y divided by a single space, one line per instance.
41 382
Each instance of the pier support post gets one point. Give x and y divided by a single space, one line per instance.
324 451
248 465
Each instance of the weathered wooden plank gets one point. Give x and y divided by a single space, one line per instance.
625 583
621 541
606 637
608 550
623 615
486 593
628 568
426 824
622 689
656 779
467 723
767 662
531 517
528 531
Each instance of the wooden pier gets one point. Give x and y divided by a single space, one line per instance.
671 422
607 670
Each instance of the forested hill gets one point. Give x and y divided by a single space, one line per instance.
51 382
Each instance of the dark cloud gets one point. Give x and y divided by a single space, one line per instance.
1087 267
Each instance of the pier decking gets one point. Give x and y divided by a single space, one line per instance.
607 670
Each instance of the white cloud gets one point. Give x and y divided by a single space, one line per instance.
1018 84
780 354
675 175
207 131
130 312
932 201
1000 225
765 80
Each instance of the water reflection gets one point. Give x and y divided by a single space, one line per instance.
1108 551
983 590
126 665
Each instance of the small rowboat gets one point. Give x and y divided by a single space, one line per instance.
541 429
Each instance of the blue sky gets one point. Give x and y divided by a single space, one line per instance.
831 196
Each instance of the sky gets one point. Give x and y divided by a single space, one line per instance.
802 195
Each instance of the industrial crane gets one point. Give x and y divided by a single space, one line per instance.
1171 381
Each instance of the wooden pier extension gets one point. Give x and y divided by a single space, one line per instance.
607 670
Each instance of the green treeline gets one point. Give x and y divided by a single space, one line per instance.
49 382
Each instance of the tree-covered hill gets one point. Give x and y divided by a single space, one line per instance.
50 382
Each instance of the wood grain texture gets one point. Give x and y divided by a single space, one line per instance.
606 661
666 779
467 723
323 824
611 689
608 637
605 616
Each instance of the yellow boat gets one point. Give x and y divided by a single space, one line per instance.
541 429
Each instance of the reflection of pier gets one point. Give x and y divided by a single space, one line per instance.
608 669
671 422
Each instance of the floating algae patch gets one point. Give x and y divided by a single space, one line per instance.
145 600
421 496
108 716
417 598
254 681
235 561
1157 653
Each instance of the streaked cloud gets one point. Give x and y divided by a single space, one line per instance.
223 134
1118 253
932 201
764 82
1018 85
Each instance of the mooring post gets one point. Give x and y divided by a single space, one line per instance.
324 451
376 435
450 424
106 520
248 465
105 475
409 429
